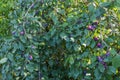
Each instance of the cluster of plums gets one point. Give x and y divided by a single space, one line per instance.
21 33
92 27
101 59
30 57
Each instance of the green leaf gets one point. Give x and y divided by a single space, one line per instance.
110 40
30 68
29 36
22 38
101 68
54 17
21 46
113 52
63 36
51 62
71 60
117 3
112 69
108 77
53 30
10 56
116 61
97 74
3 60
85 54
15 45
97 12
74 73
106 60
91 8
64 24
61 11
93 17
77 47
88 41
105 4
92 44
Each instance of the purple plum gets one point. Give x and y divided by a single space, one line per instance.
13 32
22 32
107 54
30 57
100 59
96 38
90 28
99 45
95 23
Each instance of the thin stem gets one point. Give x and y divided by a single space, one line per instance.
26 15
29 8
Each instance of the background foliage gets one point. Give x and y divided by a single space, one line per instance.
60 39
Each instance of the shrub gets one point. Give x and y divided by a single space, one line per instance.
62 40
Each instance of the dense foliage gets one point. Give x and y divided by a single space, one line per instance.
60 39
